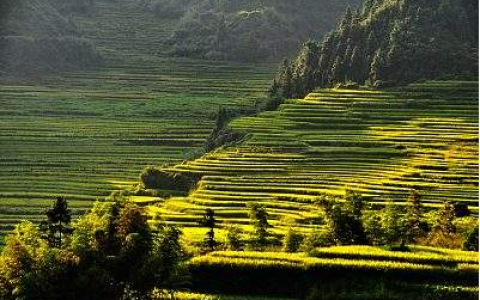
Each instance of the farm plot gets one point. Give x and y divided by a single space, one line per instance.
83 134
348 272
380 144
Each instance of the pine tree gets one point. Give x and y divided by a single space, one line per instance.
445 219
347 62
357 65
377 67
413 218
57 225
287 80
393 225
222 119
259 220
209 221
337 75
307 66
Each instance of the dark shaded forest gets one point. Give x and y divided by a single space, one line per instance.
37 37
387 43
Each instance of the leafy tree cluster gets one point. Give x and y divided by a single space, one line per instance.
389 42
109 253
154 178
350 223
221 134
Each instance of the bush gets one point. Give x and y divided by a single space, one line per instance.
317 239
471 243
344 219
152 178
292 240
461 209
233 238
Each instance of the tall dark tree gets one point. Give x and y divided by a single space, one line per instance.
209 221
286 79
344 219
415 226
259 220
377 67
57 224
357 65
338 72
445 218
307 67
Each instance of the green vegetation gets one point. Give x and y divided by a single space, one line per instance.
381 145
111 253
248 30
388 43
36 38
422 271
187 178
84 133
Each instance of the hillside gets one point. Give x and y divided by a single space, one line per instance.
36 38
85 133
380 144
246 30
387 43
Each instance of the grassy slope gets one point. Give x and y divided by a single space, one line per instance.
381 144
83 134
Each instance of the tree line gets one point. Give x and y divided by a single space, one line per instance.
113 252
386 43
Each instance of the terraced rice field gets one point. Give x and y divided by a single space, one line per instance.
355 271
83 134
381 144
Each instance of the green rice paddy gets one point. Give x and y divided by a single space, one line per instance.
380 144
84 134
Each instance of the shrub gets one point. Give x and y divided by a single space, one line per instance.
461 209
292 240
233 238
153 178
259 219
344 219
471 243
322 238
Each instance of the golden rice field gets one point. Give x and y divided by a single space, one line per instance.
381 144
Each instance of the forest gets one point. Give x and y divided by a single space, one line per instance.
388 43
239 150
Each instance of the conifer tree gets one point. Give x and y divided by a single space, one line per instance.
57 224
414 225
209 221
286 80
259 220
376 67
445 219
337 75
357 65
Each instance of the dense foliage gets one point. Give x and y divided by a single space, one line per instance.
246 30
38 37
111 253
388 42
